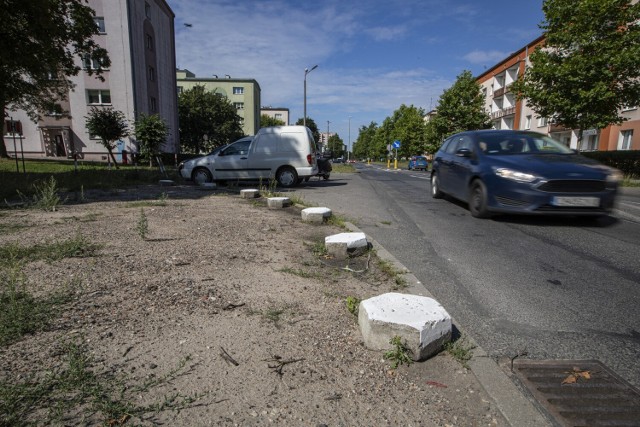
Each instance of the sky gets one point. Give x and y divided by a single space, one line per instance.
372 55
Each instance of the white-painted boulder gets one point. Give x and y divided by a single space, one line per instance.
250 193
278 202
316 214
421 322
166 182
343 244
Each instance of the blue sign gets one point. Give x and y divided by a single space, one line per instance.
396 144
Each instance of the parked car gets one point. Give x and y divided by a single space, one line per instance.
286 153
505 171
418 162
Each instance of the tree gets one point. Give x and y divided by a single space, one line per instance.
589 68
266 121
460 108
207 120
409 128
150 131
312 126
40 42
335 145
109 125
362 147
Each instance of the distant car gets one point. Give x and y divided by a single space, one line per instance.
505 171
338 160
286 153
418 162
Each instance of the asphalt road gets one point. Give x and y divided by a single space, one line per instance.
555 288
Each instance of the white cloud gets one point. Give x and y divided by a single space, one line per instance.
485 57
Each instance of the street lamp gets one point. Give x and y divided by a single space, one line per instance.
306 71
349 146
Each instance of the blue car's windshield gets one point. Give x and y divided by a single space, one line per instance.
525 143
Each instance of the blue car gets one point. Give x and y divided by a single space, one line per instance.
520 172
418 162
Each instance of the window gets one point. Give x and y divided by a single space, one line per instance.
589 143
153 105
527 122
99 96
89 63
147 9
239 105
278 116
12 127
100 23
238 90
152 74
179 90
149 41
542 121
55 110
625 139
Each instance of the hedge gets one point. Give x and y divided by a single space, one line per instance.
627 161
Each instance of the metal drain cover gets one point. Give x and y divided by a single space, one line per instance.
598 396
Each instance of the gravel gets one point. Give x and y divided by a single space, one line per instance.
234 291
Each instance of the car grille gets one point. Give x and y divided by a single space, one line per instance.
506 201
573 186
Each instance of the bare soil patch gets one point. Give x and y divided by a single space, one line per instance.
234 292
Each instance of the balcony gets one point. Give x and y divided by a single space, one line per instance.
499 92
504 112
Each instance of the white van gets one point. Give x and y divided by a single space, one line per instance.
286 153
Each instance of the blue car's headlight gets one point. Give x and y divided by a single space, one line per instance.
515 175
615 176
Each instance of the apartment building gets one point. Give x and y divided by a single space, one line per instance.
244 94
281 114
509 113
139 37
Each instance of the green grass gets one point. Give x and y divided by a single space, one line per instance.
89 176
20 312
343 168
74 391
460 350
77 246
399 354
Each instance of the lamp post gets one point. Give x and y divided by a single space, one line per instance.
306 71
328 137
349 146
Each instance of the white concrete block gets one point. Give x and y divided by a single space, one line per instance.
166 182
420 321
249 193
278 202
341 245
316 214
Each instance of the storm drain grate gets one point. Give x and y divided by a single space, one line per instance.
592 396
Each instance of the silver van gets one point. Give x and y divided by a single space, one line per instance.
286 153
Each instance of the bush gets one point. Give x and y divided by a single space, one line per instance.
627 161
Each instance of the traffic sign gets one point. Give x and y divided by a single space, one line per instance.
396 144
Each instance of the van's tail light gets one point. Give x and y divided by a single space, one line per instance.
310 159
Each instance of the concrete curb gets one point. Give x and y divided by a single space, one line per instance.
515 404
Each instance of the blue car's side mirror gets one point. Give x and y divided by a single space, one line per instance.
463 152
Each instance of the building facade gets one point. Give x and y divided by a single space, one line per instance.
244 94
509 113
139 37
281 114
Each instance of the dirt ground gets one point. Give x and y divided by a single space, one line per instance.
233 291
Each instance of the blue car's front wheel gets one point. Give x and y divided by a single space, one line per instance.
478 200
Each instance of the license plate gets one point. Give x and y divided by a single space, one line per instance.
592 202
